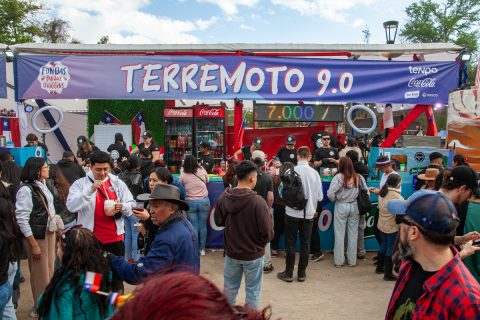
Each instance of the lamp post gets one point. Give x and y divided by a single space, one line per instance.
391 28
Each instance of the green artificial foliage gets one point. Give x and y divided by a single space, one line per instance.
125 110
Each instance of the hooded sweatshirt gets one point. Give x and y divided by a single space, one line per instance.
247 221
71 170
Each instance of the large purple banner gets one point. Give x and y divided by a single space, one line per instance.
228 77
3 76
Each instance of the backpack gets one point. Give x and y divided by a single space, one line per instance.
292 191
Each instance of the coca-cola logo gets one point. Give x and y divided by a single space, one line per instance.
177 113
425 83
209 112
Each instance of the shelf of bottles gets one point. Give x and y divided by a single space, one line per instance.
211 130
178 139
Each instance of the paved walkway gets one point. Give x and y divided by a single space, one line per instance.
329 293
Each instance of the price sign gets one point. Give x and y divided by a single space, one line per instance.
298 113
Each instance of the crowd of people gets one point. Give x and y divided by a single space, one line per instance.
126 218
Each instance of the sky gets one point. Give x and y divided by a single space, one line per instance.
228 21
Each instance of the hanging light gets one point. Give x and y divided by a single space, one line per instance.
391 28
465 55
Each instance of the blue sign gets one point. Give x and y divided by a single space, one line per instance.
229 77
3 75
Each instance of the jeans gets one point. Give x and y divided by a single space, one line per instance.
232 277
5 295
198 217
9 312
131 238
361 235
304 227
388 243
345 220
278 225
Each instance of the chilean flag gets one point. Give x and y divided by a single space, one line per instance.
138 127
93 281
109 118
10 128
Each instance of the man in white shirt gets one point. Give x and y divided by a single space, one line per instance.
301 220
384 164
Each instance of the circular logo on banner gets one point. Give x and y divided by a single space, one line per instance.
115 154
292 156
419 156
38 152
212 221
53 77
325 220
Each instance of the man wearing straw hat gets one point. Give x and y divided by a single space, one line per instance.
429 177
175 247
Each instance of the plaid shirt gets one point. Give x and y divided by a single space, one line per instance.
451 293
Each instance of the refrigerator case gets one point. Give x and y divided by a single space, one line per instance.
178 136
209 123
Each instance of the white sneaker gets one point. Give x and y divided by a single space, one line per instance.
202 252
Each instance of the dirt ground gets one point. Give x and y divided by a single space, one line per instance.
328 293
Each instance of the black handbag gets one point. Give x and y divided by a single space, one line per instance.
363 199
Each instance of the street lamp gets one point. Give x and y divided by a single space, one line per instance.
390 27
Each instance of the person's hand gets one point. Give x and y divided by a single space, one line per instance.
468 249
141 228
36 252
118 206
473 235
315 215
96 184
141 214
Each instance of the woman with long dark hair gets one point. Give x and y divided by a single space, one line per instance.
59 186
387 225
230 175
343 191
34 205
194 178
10 251
133 179
64 298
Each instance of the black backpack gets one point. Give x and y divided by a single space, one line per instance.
292 193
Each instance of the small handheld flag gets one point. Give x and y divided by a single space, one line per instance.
92 281
92 284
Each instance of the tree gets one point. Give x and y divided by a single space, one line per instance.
55 31
453 21
18 22
104 40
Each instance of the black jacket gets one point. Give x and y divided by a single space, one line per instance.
133 180
39 215
146 166
71 170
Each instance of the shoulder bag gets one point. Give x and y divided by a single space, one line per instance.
363 198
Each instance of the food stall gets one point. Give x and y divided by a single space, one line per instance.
267 72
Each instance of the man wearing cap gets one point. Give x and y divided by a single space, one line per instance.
288 153
433 282
436 162
70 169
84 149
264 188
384 164
149 144
118 150
205 159
326 156
175 247
247 150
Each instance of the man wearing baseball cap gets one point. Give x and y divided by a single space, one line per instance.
247 150
436 162
384 164
433 282
118 150
175 247
326 156
288 153
205 159
149 144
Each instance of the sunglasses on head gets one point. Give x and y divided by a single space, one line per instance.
64 232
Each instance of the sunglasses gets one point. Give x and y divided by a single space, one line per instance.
402 219
325 139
